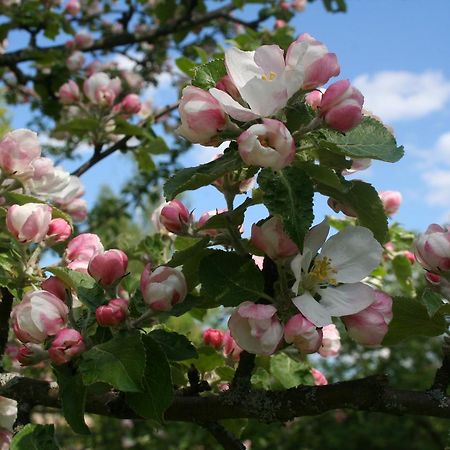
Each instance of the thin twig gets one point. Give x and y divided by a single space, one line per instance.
224 437
5 311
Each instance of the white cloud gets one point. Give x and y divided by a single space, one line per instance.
402 95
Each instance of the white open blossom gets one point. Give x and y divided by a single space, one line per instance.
328 284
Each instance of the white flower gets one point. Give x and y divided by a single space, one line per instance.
329 284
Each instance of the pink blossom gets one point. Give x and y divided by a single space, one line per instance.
83 39
8 415
432 249
256 328
212 232
38 315
369 326
202 117
341 106
30 222
331 341
67 344
112 314
271 239
391 201
31 354
81 249
163 288
230 347
69 93
55 286
101 90
77 208
108 267
5 439
59 230
319 377
303 334
267 144
75 61
131 104
314 99
358 164
213 338
73 7
226 84
175 217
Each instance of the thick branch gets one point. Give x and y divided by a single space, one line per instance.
442 377
366 394
5 312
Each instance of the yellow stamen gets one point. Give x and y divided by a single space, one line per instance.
269 77
322 270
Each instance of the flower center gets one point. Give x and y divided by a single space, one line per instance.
269 76
321 271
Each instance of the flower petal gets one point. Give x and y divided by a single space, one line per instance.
316 237
241 66
312 310
232 107
270 58
354 253
346 299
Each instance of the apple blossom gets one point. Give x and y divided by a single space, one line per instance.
341 106
73 7
432 249
309 64
230 347
30 222
303 334
81 249
319 377
331 342
59 230
329 284
38 315
213 337
75 61
163 288
313 99
259 77
67 344
31 354
114 313
69 93
226 84
5 439
83 39
271 239
77 208
391 201
358 164
18 149
369 326
212 232
267 144
131 104
202 117
55 286
108 267
256 328
175 217
101 90
8 413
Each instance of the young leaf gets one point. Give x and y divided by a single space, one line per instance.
119 362
206 75
176 346
157 392
228 279
35 437
288 372
289 193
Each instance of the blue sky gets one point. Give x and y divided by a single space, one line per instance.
394 51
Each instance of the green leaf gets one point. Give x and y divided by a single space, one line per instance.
35 437
72 392
370 139
125 127
288 372
411 319
176 346
298 113
165 10
433 302
323 174
79 126
227 218
144 160
403 272
186 65
228 279
157 394
72 278
289 193
335 6
195 177
206 75
119 362
208 359
197 246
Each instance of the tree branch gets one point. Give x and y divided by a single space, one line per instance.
442 377
224 437
5 311
366 394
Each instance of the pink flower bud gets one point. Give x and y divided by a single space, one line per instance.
391 201
432 278
131 104
202 117
83 39
319 377
18 149
358 164
75 61
30 222
338 207
280 24
341 106
271 239
163 288
175 217
101 90
213 338
69 93
313 99
59 230
67 344
73 7
309 64
303 334
114 313
212 232
77 208
80 250
5 439
55 286
432 249
226 84
230 348
299 5
267 145
109 267
369 326
256 328
38 315
331 341
409 255
31 354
